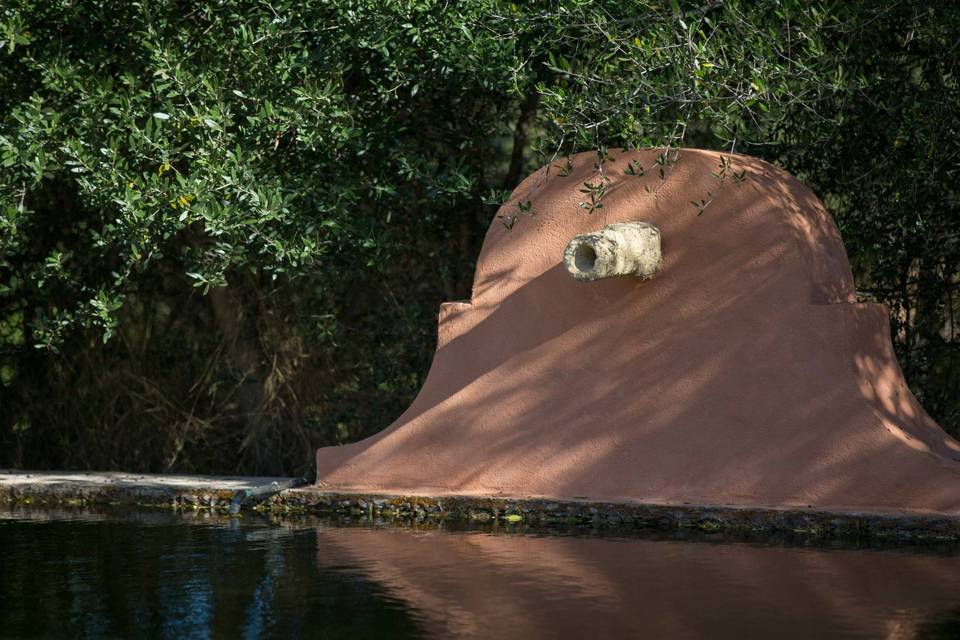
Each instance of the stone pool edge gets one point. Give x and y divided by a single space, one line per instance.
287 497
83 489
545 512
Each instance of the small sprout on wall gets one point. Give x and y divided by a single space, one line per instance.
703 204
661 163
508 221
565 169
634 168
721 173
595 191
525 208
665 160
724 169
603 156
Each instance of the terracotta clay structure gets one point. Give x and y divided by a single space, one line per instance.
743 374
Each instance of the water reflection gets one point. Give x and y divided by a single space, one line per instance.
157 575
473 585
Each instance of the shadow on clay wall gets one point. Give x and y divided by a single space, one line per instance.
750 350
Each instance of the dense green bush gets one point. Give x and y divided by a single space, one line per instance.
225 227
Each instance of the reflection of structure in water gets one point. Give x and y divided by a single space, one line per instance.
519 586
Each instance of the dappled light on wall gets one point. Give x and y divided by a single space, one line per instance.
743 373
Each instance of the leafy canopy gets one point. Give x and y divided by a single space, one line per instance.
315 158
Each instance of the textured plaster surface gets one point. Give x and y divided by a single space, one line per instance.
743 374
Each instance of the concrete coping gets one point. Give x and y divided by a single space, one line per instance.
287 497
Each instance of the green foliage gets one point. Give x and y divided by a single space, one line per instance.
226 227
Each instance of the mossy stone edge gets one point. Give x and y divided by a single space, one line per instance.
528 512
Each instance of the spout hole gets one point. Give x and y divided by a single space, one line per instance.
584 257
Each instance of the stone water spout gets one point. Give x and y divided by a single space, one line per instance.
622 249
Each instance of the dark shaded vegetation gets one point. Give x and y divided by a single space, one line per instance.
226 228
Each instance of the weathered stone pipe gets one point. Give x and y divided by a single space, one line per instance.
622 249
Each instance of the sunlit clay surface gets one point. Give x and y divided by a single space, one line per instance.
743 373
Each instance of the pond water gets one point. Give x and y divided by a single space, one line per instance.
162 575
